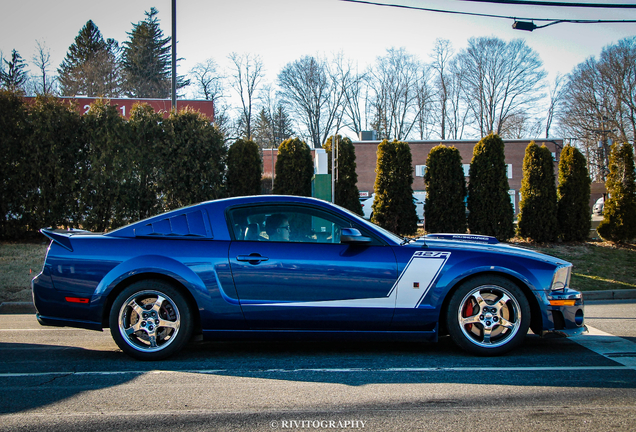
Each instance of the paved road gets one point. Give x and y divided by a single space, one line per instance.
61 379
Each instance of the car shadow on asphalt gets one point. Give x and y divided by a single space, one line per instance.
51 373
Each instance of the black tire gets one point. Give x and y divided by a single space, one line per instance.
488 316
150 320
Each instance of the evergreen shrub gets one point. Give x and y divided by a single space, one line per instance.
619 213
294 168
244 169
444 208
490 210
573 206
537 218
347 194
393 207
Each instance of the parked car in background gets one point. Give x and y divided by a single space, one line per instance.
418 200
599 206
287 267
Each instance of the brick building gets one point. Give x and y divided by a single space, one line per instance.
366 160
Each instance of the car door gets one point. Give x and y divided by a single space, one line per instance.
311 281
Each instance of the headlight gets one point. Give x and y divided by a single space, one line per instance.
561 278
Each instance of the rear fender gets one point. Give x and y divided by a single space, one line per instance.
215 304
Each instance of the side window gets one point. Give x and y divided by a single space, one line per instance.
286 224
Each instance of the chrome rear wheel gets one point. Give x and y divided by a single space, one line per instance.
150 320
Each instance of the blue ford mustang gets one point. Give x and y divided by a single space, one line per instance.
278 266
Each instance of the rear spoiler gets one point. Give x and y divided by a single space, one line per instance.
62 237
464 237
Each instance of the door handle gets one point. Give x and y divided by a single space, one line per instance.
252 258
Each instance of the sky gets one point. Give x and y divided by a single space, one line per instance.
281 31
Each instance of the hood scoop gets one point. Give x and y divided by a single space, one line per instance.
464 237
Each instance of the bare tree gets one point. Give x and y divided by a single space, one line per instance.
424 94
499 80
248 73
556 93
44 84
357 107
458 110
617 67
588 114
599 103
314 90
394 81
207 80
441 57
521 125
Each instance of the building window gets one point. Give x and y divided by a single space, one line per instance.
420 170
512 194
467 170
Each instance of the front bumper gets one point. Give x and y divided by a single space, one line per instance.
564 313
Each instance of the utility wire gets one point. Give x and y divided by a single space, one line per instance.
556 20
558 4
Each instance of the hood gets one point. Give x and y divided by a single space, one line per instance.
482 244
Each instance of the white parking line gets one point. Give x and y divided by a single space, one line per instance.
41 329
612 347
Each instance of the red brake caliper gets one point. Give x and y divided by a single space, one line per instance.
468 311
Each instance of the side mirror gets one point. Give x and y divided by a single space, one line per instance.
353 235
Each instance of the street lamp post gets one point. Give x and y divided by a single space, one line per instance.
174 55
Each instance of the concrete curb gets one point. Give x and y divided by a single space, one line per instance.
627 294
17 308
28 308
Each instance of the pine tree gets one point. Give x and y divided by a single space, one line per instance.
393 207
272 129
281 124
573 208
444 208
294 168
263 131
15 77
244 169
489 206
619 212
91 66
147 60
538 207
347 194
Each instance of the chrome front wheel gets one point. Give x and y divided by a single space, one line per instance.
488 316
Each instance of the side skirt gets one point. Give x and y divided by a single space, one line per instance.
389 336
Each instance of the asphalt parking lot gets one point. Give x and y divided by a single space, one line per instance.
62 378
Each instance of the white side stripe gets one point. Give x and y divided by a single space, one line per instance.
412 285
